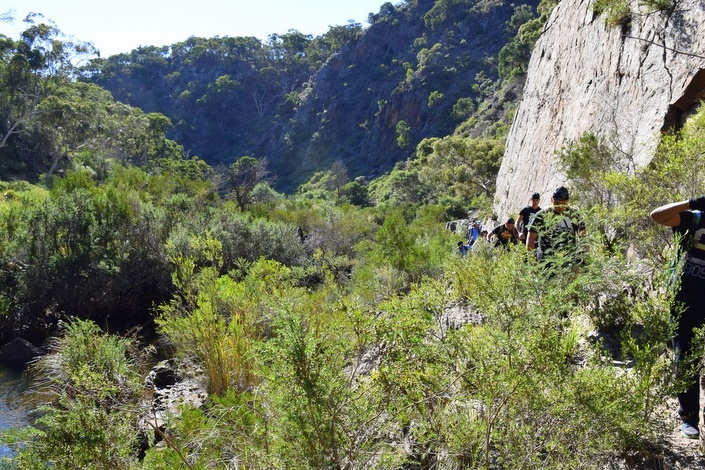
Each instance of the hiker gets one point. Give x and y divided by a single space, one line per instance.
504 234
555 230
474 231
463 249
686 219
525 215
481 239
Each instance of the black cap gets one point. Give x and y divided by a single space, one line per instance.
561 194
536 196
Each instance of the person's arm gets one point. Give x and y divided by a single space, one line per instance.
669 214
520 223
531 240
520 228
492 236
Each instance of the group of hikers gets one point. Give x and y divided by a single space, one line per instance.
558 227
543 231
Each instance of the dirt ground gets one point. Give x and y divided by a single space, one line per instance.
677 452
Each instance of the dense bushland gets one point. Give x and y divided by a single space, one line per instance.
335 327
353 384
344 352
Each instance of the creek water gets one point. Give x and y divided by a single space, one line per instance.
14 411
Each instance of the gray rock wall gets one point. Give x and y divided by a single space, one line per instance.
626 84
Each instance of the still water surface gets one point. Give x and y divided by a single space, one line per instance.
14 411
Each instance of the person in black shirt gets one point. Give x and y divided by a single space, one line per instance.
525 215
686 218
504 234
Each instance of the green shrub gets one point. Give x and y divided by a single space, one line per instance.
212 318
617 12
245 237
94 385
322 411
537 386
76 434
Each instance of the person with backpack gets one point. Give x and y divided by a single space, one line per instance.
555 231
686 220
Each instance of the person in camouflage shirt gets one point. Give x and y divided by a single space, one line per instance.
555 230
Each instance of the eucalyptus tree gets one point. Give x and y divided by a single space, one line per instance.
241 179
31 68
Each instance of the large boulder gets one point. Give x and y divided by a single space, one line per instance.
625 83
19 352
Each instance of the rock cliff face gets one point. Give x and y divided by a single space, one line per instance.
627 84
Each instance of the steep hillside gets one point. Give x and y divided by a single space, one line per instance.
625 83
405 69
418 71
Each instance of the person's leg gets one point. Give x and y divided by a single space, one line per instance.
689 399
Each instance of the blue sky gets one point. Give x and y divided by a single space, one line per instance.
122 25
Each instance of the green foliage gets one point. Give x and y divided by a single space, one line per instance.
463 108
343 368
84 349
513 59
403 253
522 363
242 236
414 374
91 421
396 243
79 240
617 12
217 320
323 410
227 430
355 193
457 166
328 185
78 435
400 186
403 134
252 105
455 171
327 330
434 98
